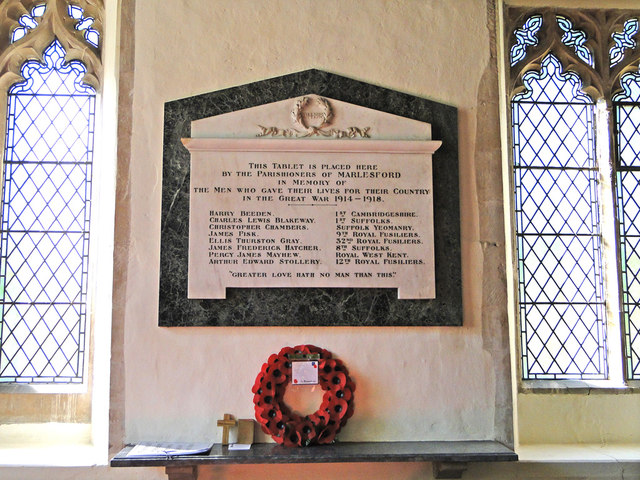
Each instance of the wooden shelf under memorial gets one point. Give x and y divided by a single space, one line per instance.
449 458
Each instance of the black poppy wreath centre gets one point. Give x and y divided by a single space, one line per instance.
289 428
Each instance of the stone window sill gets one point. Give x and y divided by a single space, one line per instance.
50 445
579 453
578 386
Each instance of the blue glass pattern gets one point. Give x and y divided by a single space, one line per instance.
576 39
525 37
622 41
630 83
91 35
27 23
551 85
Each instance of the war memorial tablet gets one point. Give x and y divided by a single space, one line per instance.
311 192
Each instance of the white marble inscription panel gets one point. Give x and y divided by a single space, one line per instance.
309 213
311 192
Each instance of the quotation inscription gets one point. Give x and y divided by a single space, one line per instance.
272 217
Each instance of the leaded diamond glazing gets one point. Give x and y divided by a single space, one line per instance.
557 228
45 222
627 116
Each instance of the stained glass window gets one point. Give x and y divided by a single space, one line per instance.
575 38
84 24
558 197
557 227
525 37
44 234
623 41
28 22
627 128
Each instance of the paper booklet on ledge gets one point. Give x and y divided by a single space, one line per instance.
168 449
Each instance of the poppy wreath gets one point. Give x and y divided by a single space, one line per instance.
291 429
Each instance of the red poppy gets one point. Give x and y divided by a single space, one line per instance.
286 351
271 414
267 386
260 416
325 406
342 392
307 430
318 419
326 367
292 438
337 379
278 375
280 426
324 353
304 349
273 358
338 408
284 364
327 435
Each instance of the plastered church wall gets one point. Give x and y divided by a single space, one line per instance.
413 383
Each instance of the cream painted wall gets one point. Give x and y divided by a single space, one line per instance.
447 389
175 383
599 418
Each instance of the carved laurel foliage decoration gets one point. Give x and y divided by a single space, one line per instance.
55 23
599 79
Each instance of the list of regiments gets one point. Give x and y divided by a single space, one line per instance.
311 219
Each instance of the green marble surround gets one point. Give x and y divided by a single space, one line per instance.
308 306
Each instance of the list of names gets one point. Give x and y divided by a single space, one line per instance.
310 219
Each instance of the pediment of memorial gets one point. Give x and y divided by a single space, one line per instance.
311 116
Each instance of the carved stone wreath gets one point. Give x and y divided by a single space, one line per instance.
289 428
308 123
300 110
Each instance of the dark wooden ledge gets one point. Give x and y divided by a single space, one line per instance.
449 459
